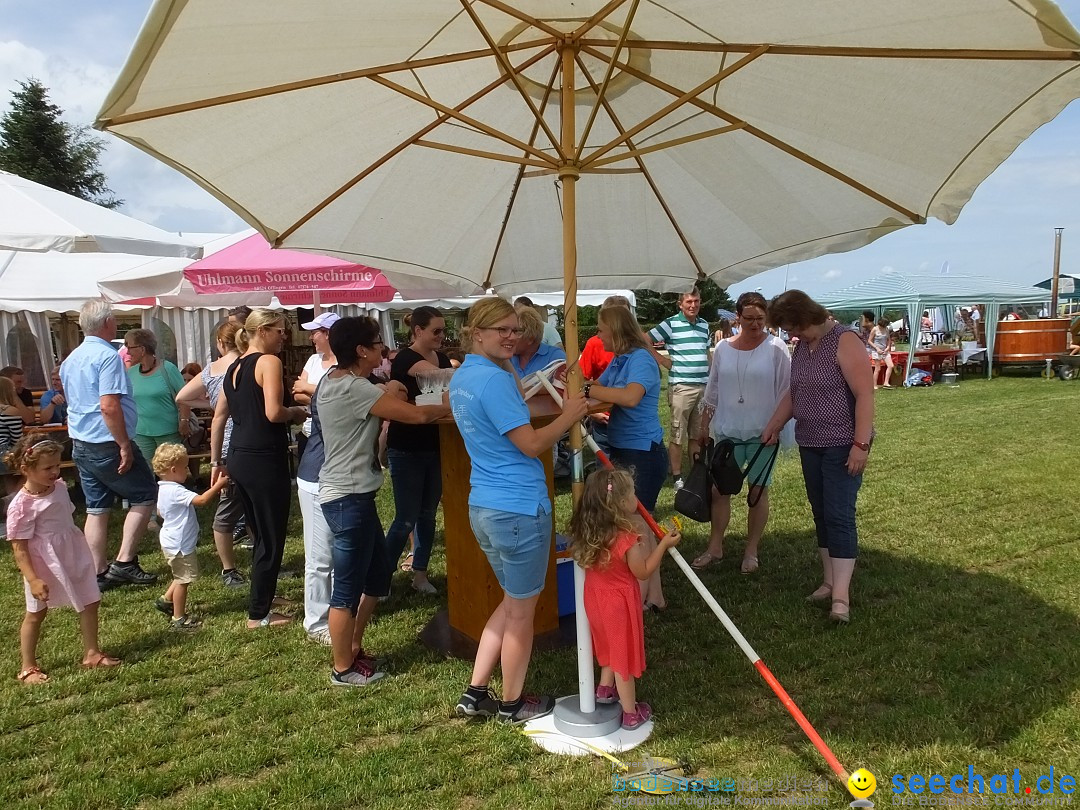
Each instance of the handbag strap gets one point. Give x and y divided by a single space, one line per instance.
761 479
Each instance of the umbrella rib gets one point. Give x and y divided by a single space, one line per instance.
520 175
783 146
678 102
843 51
317 81
667 144
439 121
462 150
453 113
599 17
608 71
506 66
645 172
526 18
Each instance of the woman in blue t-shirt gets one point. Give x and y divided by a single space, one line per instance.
509 508
631 382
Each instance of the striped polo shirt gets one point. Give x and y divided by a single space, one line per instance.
688 346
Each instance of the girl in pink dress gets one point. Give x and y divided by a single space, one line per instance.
51 553
604 544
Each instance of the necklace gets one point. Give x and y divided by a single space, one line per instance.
740 373
26 487
149 370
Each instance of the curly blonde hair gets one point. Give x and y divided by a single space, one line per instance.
168 456
28 451
600 517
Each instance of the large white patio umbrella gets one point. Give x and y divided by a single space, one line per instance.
508 143
39 218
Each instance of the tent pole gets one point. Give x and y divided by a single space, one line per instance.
1057 273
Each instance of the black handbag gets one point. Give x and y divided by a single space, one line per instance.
728 476
695 498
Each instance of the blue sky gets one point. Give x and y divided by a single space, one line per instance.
76 47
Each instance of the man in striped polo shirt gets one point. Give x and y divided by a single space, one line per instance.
686 337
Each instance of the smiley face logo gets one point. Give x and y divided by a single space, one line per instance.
862 784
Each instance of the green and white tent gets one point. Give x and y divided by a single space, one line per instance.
916 293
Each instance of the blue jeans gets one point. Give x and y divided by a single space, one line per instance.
417 479
98 462
832 493
358 549
649 468
517 548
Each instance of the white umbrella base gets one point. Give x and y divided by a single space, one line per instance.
569 731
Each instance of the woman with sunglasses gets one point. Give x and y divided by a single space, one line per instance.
258 451
509 508
413 451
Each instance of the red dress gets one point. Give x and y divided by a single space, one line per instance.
613 606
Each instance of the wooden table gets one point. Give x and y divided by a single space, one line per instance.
931 360
472 590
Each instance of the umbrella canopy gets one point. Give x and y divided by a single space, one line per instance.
39 218
1068 286
720 138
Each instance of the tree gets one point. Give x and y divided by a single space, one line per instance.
37 144
653 307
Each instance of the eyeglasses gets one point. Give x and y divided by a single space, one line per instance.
130 347
505 331
438 332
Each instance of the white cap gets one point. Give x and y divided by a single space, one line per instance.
323 321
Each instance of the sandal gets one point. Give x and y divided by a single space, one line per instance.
837 616
103 660
749 565
641 714
31 676
406 564
822 594
271 619
283 601
704 560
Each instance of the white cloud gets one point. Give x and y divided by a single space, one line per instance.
828 275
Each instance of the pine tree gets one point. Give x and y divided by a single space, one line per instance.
37 144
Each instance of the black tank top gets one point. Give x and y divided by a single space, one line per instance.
252 431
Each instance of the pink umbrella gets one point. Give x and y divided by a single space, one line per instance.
251 265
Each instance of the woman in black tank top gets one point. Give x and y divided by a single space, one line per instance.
258 451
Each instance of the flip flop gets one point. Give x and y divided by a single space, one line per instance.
38 676
407 564
749 565
103 660
704 560
271 619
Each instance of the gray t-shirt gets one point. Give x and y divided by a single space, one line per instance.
350 437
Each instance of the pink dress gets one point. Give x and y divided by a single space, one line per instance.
57 548
613 605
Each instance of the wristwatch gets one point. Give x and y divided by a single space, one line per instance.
862 445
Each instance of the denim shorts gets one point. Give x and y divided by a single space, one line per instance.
516 546
358 550
98 462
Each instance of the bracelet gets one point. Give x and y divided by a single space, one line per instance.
585 389
217 464
862 445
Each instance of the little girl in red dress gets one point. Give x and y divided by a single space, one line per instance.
604 544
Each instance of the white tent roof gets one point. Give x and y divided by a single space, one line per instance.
896 289
585 298
39 218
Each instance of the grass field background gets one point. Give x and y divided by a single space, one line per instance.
964 649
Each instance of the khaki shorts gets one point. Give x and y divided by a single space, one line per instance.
184 567
685 414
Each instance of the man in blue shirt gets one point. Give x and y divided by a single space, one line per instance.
101 421
532 354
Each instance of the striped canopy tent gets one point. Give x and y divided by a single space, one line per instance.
916 293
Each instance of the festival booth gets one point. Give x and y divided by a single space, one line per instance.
918 292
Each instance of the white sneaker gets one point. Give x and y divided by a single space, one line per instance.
678 484
321 637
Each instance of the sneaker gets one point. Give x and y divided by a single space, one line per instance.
631 720
241 538
129 573
469 706
106 584
678 484
185 624
532 706
320 637
356 675
164 605
606 695
232 578
369 662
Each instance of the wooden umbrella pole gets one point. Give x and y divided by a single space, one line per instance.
568 175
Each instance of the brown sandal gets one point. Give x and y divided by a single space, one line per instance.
34 672
704 560
406 565
102 660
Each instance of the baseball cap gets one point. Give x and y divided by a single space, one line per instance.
323 321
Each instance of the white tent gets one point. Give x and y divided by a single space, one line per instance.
916 293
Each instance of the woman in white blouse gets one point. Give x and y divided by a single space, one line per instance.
750 372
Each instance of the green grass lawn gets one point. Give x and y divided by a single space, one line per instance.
964 649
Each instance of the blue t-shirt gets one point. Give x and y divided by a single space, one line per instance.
638 427
487 404
91 371
59 414
544 354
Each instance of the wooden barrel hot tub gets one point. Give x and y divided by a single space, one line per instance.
1030 342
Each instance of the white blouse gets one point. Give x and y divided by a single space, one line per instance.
745 387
